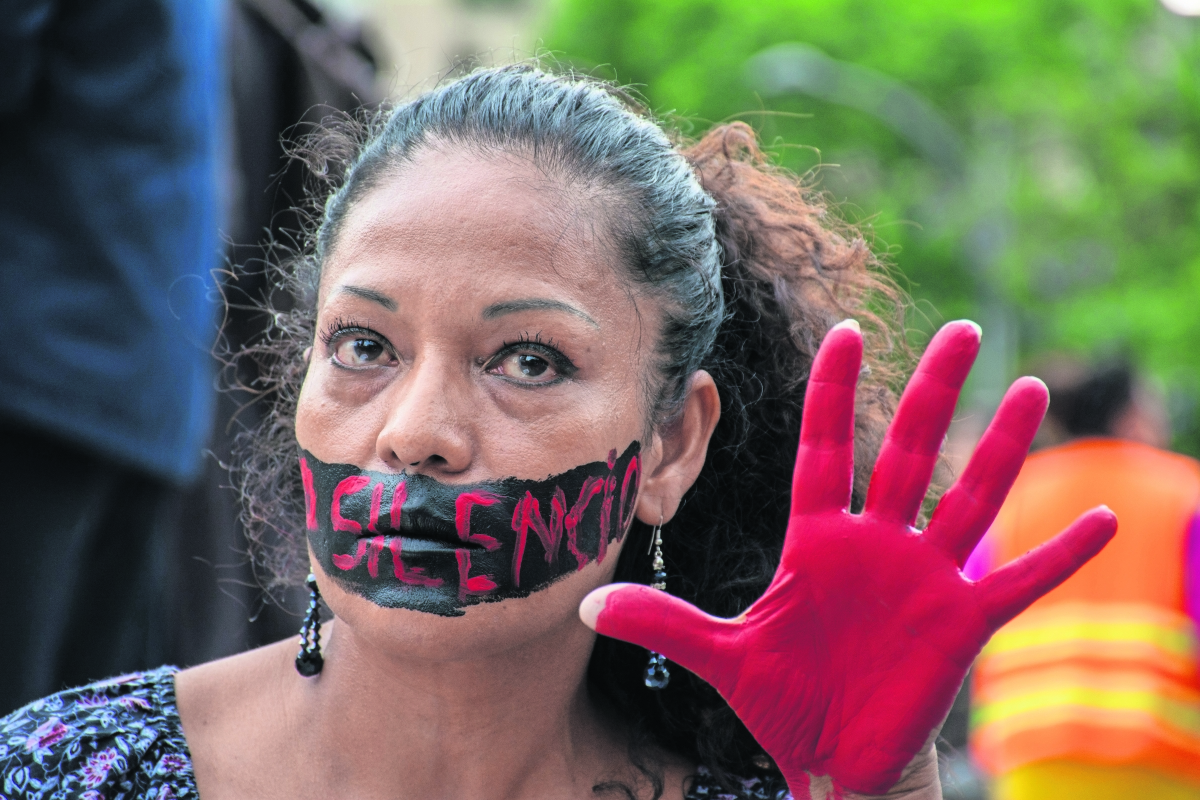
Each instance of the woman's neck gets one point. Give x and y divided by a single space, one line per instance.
516 724
494 727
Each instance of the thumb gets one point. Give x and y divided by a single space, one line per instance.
659 622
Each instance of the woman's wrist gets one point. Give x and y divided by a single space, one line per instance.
919 781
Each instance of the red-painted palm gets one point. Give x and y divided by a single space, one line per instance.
849 662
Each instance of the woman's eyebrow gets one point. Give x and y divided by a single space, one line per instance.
372 295
535 304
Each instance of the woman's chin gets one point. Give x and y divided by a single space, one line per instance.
482 630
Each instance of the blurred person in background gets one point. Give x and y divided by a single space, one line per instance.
288 65
1093 691
109 218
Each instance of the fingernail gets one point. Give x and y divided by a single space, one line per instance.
848 323
975 325
591 606
1035 380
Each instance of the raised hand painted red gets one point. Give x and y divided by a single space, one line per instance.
851 660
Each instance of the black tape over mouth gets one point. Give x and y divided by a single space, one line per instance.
420 524
487 541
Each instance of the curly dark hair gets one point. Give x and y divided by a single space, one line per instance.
752 269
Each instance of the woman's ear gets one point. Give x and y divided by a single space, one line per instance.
677 451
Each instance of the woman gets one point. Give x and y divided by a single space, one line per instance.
526 321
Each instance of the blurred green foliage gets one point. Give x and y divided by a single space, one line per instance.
1073 206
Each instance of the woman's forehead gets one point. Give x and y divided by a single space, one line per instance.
496 214
482 230
499 199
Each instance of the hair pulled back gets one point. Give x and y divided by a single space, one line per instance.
751 271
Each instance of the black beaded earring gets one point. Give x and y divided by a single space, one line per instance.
657 674
309 660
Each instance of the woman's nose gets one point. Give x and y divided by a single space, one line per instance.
426 428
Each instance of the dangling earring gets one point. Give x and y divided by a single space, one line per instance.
309 660
657 674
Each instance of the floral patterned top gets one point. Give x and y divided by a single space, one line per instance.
121 739
118 739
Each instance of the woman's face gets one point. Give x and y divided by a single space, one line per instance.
473 325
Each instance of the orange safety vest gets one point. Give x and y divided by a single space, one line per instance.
1103 668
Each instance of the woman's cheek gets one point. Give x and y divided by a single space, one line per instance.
326 407
544 405
339 388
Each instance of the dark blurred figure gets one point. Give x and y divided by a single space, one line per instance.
108 218
1093 692
288 66
1105 400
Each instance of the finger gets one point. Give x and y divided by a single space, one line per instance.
914 439
824 473
969 508
1014 587
659 622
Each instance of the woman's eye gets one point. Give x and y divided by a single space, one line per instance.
359 351
526 367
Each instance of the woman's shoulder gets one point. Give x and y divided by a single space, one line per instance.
116 738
